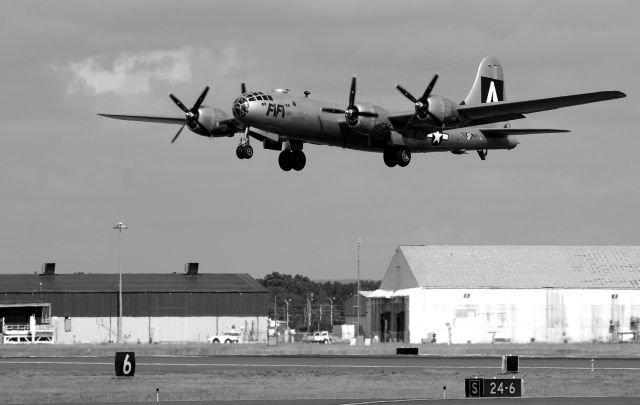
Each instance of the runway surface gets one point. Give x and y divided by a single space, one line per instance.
198 364
417 401
471 365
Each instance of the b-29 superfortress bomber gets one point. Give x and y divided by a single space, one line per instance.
284 122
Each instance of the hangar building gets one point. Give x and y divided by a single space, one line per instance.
476 294
83 308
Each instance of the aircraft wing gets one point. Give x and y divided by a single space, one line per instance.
481 114
498 132
400 120
486 112
145 118
405 120
228 126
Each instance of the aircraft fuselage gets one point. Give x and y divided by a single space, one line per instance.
303 119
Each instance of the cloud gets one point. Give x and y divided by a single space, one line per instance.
139 74
130 73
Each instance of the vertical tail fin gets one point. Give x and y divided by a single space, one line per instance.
489 84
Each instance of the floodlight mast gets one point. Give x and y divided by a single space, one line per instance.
331 312
358 290
120 227
287 313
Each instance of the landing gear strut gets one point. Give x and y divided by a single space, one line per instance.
289 159
244 149
483 153
400 156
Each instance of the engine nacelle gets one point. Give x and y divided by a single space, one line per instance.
445 110
367 118
210 119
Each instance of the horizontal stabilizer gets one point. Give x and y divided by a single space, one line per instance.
160 120
518 131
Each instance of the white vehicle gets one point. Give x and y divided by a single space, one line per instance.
226 337
320 337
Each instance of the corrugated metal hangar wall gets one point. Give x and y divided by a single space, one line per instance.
156 307
479 294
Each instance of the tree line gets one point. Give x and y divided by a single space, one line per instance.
295 295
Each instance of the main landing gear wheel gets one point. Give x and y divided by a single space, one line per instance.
403 157
244 152
299 160
292 160
389 157
397 156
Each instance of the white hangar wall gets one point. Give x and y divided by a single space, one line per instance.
517 315
156 329
479 294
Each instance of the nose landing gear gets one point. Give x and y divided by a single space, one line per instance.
244 149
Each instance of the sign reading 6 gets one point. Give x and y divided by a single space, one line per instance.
125 364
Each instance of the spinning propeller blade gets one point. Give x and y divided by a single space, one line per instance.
192 115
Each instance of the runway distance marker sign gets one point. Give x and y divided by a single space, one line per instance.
125 364
492 387
502 387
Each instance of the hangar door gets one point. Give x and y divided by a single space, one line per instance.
18 314
390 319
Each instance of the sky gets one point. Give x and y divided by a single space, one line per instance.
67 176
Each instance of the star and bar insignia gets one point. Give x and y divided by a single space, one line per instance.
437 137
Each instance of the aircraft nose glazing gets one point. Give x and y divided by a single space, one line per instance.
240 108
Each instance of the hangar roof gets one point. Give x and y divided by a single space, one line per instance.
178 282
433 266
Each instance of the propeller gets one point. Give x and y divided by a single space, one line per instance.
351 113
191 115
243 88
422 104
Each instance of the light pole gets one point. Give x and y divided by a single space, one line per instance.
287 312
120 227
309 313
331 312
275 310
358 290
